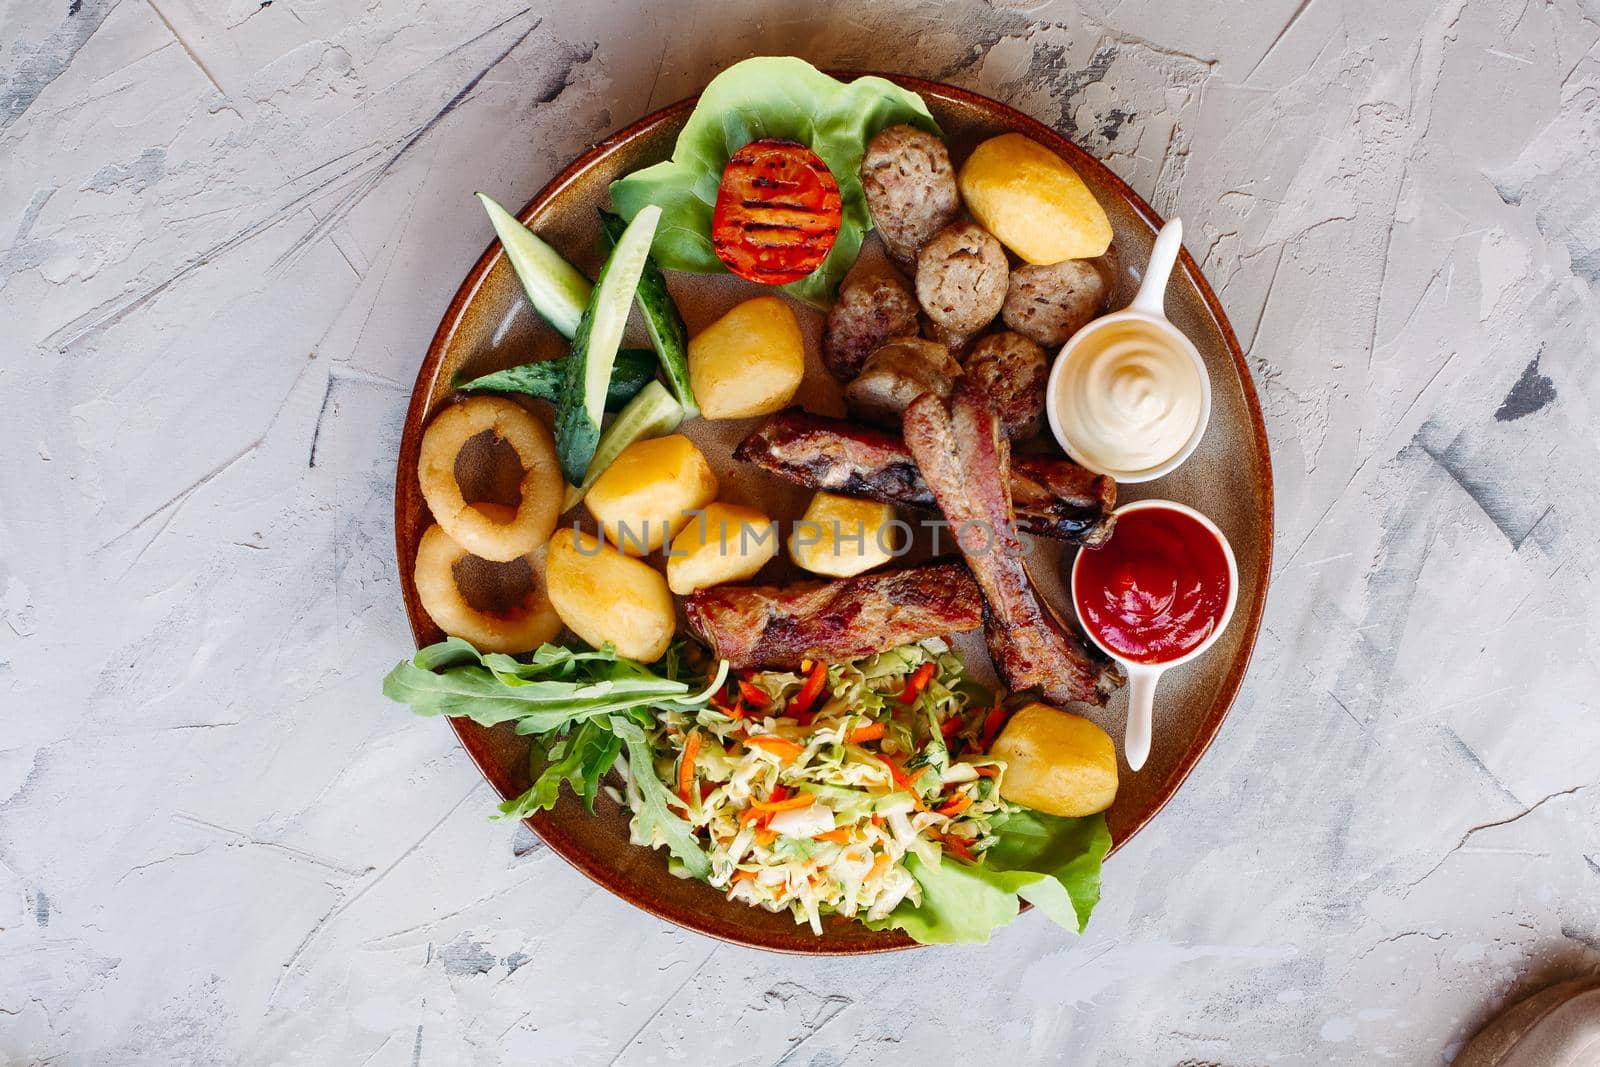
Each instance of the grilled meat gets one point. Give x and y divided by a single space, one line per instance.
1053 497
961 278
778 626
1013 371
898 373
1051 303
874 304
965 458
910 188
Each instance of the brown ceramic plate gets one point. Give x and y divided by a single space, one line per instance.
490 325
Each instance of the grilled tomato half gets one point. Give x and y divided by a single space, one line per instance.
777 212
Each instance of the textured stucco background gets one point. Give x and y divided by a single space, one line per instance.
227 230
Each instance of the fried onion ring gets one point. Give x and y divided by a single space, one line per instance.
522 629
469 524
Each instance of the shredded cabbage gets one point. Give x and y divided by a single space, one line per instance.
817 811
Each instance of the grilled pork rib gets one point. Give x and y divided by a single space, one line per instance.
773 626
1053 497
964 458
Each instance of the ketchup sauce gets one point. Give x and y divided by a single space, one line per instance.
1157 589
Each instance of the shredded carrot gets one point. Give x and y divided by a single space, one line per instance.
904 781
958 804
958 846
691 749
800 706
742 875
988 771
991 725
879 865
753 694
840 836
762 810
781 747
804 800
870 732
765 836
919 681
899 775
736 711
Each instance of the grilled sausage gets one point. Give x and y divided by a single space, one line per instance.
1051 303
910 187
961 278
874 304
897 374
959 344
1012 371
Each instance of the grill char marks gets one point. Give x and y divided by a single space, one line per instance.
777 213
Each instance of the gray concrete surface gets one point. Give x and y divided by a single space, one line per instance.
229 229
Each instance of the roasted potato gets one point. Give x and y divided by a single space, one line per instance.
724 543
1057 762
603 596
840 536
749 362
1033 200
648 493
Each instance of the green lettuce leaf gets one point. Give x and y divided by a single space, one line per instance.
764 97
960 904
1051 862
1058 859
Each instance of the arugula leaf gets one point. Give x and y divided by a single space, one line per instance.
654 822
558 687
581 758
768 96
1051 862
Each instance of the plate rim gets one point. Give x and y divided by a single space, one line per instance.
407 495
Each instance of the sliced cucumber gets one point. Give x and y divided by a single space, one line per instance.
594 347
661 318
653 413
635 368
558 290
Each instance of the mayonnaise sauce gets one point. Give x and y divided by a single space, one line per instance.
1128 398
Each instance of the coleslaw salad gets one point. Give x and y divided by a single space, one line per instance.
842 791
810 789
